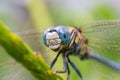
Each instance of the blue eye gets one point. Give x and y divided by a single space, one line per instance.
64 36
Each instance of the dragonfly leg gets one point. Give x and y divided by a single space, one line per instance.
65 65
53 62
68 72
74 67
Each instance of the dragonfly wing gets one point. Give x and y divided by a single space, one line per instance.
104 38
33 38
104 41
12 70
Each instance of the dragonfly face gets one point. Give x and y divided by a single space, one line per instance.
56 38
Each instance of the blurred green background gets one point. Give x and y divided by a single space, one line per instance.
37 15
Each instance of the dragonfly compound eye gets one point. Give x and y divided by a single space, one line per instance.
64 34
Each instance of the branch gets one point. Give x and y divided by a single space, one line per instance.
22 53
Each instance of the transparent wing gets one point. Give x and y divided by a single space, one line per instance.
104 38
12 70
33 38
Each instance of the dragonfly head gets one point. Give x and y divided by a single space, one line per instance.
56 37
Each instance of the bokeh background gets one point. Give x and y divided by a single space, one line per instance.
31 16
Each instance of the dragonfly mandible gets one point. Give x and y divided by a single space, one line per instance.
98 40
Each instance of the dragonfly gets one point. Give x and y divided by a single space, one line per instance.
98 40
